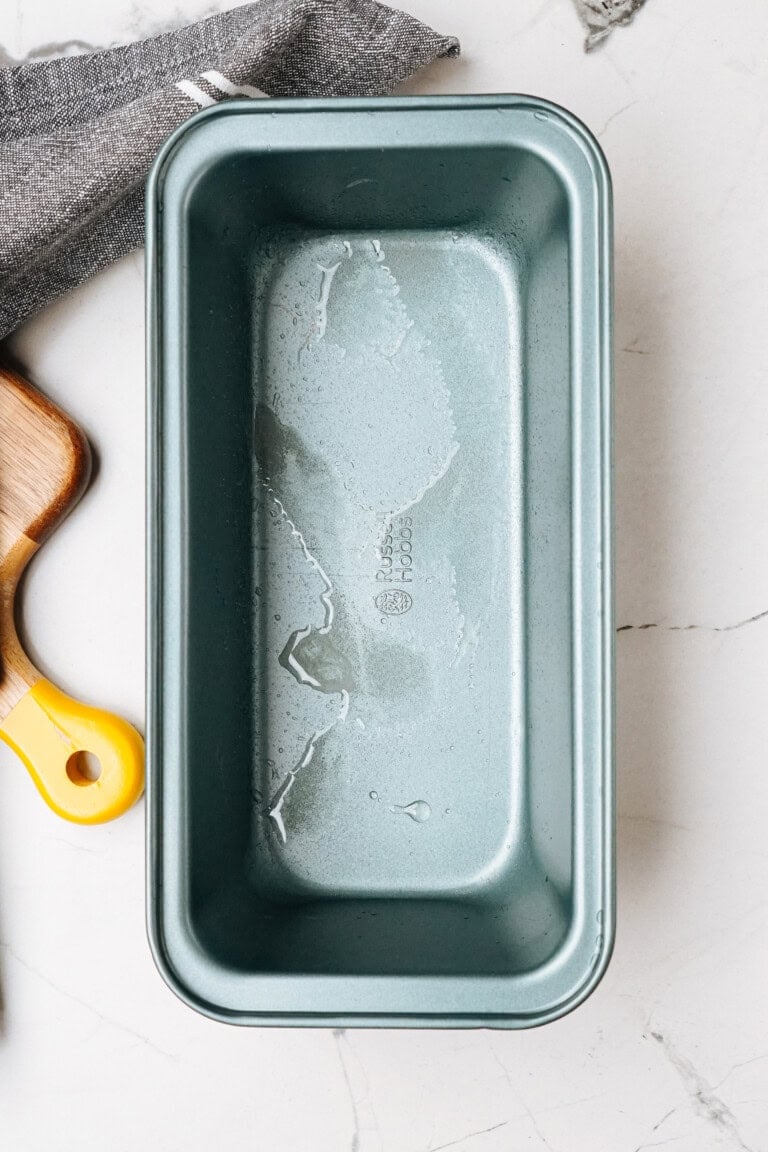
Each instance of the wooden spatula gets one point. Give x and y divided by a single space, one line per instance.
44 469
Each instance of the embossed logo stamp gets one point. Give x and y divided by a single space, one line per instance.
396 551
394 601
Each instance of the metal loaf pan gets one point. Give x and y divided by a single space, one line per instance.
380 621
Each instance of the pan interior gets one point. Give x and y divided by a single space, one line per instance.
378 600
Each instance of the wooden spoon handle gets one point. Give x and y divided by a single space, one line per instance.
58 738
46 464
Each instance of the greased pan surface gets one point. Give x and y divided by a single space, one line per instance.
380 620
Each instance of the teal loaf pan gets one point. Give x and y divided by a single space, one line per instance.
380 623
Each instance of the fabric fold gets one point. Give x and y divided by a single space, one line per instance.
78 134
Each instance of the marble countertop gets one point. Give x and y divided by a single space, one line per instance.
672 1049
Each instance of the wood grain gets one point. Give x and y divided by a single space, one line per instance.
44 469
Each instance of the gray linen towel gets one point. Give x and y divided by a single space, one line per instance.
77 135
600 17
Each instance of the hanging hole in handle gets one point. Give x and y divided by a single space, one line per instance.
83 768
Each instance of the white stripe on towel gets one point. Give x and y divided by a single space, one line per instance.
194 93
228 88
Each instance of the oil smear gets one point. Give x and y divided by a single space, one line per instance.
291 659
279 798
310 655
349 463
312 658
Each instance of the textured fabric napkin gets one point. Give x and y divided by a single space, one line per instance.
77 135
600 17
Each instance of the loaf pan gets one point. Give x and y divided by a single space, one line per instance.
380 623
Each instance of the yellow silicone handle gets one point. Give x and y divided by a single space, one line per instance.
50 731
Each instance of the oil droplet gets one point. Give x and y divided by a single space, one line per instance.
447 811
418 810
278 616
373 795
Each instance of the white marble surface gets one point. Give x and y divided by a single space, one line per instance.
95 1053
